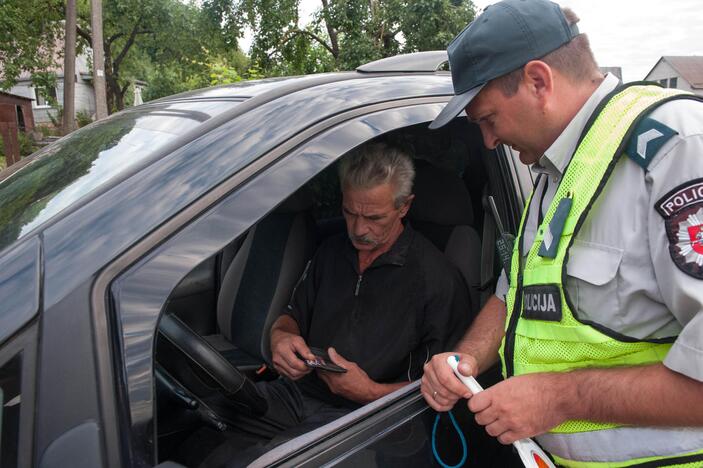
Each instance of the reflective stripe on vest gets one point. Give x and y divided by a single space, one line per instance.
543 332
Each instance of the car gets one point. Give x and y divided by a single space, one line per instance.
143 257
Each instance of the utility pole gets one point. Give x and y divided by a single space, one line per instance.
69 69
96 19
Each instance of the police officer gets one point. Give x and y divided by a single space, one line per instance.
599 323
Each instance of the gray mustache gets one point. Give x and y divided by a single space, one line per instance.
363 240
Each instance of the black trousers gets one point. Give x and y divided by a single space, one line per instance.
290 413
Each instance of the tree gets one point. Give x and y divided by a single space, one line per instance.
173 45
347 33
96 24
69 69
141 36
29 30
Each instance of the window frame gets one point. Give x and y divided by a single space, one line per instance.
24 342
347 435
106 314
127 441
38 97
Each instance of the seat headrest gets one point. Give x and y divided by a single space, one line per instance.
302 200
440 197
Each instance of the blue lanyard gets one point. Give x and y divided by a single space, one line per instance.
464 447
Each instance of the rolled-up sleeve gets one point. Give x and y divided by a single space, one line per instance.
502 286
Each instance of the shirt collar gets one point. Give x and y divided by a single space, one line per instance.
396 255
559 154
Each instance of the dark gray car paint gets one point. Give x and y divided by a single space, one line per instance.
80 244
19 286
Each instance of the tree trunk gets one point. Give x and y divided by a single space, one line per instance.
331 31
98 59
69 69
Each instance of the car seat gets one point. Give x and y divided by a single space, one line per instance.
442 211
258 282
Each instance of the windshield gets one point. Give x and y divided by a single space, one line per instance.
54 178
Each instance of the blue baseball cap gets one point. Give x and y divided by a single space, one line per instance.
503 38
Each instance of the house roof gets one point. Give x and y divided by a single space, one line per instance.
690 67
4 94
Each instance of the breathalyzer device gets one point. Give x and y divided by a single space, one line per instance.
531 454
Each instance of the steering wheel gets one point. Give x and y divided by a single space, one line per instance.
232 384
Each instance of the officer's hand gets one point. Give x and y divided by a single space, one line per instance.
283 348
522 406
440 386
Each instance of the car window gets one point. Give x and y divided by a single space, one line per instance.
152 271
55 177
17 392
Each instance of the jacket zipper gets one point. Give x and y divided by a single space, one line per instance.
358 285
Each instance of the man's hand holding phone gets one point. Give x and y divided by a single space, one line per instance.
322 361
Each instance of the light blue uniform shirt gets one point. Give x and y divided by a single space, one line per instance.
620 273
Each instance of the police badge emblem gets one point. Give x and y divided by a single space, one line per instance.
682 210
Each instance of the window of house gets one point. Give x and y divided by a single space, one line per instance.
663 82
44 96
673 82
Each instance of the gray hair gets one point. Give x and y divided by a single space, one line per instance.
376 164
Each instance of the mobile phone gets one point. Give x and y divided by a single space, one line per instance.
322 361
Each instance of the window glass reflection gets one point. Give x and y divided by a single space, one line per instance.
54 178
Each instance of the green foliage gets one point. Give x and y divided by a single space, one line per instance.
254 72
221 73
27 145
83 119
48 130
43 81
347 33
28 31
178 45
56 116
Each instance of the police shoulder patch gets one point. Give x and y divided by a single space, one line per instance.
682 210
647 139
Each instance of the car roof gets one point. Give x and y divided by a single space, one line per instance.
418 62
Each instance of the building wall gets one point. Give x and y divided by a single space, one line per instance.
84 96
664 71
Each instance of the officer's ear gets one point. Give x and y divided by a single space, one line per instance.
539 79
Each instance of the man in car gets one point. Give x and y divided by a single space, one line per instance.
599 322
380 299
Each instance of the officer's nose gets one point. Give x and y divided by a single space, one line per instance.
490 140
